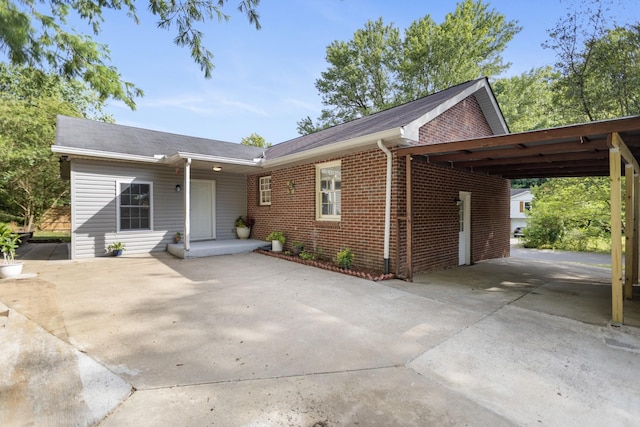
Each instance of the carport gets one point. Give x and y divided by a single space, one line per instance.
603 148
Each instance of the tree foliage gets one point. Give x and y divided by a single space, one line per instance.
30 100
527 182
568 213
467 45
35 34
362 76
255 140
527 100
597 77
379 69
598 64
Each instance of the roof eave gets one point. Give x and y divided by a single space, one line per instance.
481 87
84 152
212 159
336 148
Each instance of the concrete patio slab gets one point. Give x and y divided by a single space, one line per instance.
253 340
382 397
45 381
230 318
537 369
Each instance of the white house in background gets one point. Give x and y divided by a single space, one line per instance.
520 204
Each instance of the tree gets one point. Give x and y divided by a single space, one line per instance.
255 140
467 45
361 78
569 213
33 33
527 182
527 100
596 77
598 66
377 69
29 171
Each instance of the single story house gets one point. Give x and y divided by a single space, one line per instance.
342 187
521 199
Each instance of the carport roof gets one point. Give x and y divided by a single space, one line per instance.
567 151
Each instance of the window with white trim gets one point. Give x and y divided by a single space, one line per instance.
135 203
328 191
265 190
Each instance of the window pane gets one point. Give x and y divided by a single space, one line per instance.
329 191
135 200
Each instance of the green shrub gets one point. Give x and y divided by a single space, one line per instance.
344 258
308 255
543 232
276 235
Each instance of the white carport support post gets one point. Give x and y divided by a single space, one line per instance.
187 204
630 252
636 227
616 234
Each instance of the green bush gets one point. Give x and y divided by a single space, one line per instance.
308 255
543 231
344 258
276 235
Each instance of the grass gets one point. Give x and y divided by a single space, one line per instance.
46 236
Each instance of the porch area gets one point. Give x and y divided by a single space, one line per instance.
206 248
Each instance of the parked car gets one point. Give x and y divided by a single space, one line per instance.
518 232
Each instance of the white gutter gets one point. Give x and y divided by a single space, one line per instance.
332 149
213 159
387 205
105 154
187 205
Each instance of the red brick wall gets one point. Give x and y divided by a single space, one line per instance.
435 215
361 229
436 219
462 121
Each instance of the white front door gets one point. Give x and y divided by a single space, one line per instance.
464 232
203 210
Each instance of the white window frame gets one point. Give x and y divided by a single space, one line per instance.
119 184
265 193
319 192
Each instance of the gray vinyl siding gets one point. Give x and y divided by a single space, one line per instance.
231 200
94 205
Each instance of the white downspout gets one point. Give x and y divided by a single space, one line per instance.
387 206
187 204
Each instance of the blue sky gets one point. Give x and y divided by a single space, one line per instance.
264 80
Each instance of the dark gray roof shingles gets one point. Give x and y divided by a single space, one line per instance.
107 137
394 117
93 135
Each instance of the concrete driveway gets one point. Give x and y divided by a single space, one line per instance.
249 340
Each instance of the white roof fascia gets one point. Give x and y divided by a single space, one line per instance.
84 152
412 130
496 107
525 194
336 147
213 159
